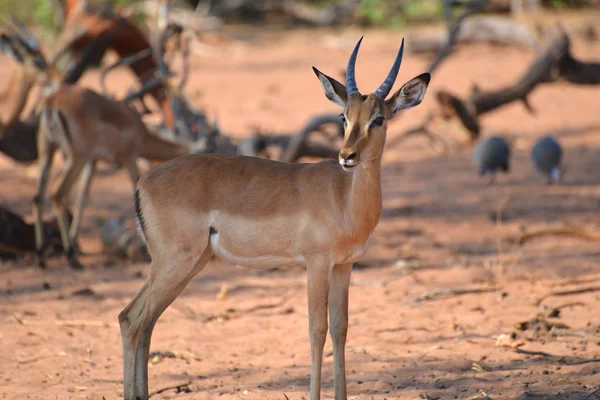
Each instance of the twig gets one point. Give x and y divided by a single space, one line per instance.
69 323
33 359
182 355
568 293
567 332
558 230
177 387
575 281
421 129
534 353
446 293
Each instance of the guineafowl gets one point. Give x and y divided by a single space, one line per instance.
492 154
546 155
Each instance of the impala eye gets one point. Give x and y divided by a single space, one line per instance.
378 121
343 118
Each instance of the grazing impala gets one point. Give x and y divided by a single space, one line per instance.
262 213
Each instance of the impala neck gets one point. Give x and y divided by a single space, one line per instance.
156 149
365 195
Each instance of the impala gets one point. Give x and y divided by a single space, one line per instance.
261 213
86 127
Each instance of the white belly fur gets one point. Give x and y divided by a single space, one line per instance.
251 262
348 255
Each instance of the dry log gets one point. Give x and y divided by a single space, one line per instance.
553 64
289 11
122 241
477 29
291 147
298 145
17 237
558 230
18 140
331 16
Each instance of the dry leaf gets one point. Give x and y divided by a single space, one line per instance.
77 389
222 295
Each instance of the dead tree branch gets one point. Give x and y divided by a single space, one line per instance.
477 29
297 146
292 11
553 64
558 230
453 30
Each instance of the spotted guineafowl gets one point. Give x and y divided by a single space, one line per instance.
546 154
492 154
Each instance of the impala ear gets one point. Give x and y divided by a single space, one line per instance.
410 94
335 91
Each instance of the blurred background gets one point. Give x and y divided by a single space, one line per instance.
481 280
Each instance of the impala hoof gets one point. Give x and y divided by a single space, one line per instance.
73 261
40 261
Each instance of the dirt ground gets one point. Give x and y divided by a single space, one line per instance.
527 326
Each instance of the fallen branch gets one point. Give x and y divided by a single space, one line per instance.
69 323
421 130
477 29
575 281
179 387
155 356
568 293
558 230
553 64
297 145
253 10
447 293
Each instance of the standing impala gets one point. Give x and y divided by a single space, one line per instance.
261 214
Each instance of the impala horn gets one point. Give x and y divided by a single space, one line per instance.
351 87
387 85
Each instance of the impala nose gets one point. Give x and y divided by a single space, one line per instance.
348 158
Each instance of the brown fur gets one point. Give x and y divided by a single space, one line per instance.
261 213
88 127
128 39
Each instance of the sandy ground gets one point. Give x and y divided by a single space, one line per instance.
412 335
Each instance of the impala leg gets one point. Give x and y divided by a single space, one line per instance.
66 180
166 281
338 324
46 153
82 194
318 288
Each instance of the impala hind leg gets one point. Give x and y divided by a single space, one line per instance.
60 197
80 201
318 288
46 153
168 277
338 324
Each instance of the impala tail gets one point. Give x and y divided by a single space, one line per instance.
138 215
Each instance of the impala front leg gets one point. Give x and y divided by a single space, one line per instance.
338 324
318 288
